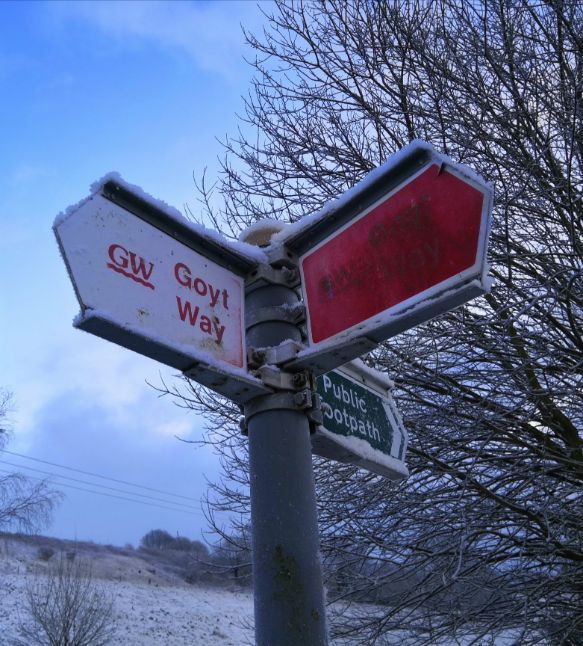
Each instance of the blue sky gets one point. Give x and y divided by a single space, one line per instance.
142 88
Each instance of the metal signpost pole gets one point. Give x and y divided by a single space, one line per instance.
287 575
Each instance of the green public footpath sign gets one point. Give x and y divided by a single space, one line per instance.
354 411
364 423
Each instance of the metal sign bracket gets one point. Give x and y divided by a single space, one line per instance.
265 274
275 378
326 359
276 355
282 256
305 400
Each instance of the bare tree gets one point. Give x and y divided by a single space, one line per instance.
25 505
67 608
486 534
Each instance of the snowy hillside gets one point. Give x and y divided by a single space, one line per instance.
151 607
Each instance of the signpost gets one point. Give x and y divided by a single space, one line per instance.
361 423
406 244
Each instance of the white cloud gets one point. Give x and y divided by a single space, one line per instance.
179 428
209 32
88 371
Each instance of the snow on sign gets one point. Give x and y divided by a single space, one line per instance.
149 281
404 245
361 423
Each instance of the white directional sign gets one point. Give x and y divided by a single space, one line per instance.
404 245
362 425
166 292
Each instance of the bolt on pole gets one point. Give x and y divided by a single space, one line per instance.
287 570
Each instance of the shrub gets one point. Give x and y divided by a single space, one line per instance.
67 608
45 553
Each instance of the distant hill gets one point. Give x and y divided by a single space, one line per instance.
165 566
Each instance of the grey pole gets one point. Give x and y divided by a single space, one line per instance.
287 572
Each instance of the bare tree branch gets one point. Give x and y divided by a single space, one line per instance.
486 534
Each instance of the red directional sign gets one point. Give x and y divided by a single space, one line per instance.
423 235
406 244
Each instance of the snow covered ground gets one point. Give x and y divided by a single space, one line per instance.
146 615
152 606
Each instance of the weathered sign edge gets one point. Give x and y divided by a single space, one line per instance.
385 465
369 377
324 355
308 232
238 257
218 378
312 229
208 246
